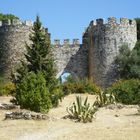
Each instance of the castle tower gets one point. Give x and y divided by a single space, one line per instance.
104 41
13 36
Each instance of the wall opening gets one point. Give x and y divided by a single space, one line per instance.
65 75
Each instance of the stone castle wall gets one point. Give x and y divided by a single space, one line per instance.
71 58
107 38
13 36
95 56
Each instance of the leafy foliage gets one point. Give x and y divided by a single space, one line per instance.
7 16
7 89
32 93
126 91
129 62
80 86
56 93
81 111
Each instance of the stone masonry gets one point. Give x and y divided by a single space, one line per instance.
13 36
70 58
93 58
104 41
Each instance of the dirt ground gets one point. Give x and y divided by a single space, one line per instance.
116 124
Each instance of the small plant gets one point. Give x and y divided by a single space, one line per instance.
103 99
81 111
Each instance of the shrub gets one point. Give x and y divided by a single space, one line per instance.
32 93
56 94
7 16
129 62
8 89
126 91
81 111
80 86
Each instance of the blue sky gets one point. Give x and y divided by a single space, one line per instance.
68 18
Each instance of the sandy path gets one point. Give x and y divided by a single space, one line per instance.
106 126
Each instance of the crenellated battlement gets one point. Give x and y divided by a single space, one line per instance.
15 22
113 21
66 42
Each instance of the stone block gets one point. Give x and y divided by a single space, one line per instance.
66 42
76 42
56 42
28 23
6 22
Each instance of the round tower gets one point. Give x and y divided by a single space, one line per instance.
104 41
13 36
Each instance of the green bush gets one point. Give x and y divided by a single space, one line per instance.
129 62
126 91
32 93
80 86
81 111
7 89
56 94
7 16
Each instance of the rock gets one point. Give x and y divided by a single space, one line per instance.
1 106
8 115
115 106
8 106
26 115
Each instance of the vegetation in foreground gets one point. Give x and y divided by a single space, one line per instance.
81 110
75 85
36 86
126 91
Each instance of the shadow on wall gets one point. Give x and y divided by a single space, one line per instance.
77 64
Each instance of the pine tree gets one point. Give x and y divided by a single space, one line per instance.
39 62
39 55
